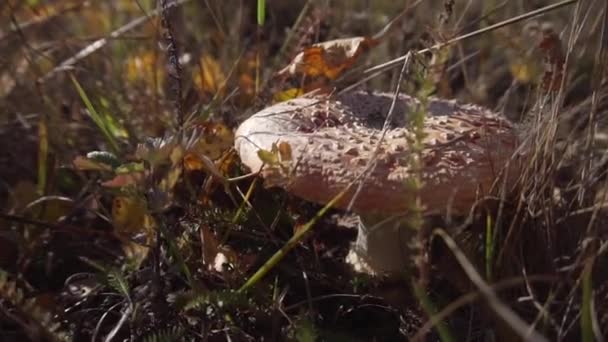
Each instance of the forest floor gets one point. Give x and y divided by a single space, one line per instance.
124 214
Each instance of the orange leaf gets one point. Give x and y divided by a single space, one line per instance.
329 58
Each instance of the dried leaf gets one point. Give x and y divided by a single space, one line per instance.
215 139
128 213
329 58
553 60
246 89
201 162
210 79
143 68
133 224
284 151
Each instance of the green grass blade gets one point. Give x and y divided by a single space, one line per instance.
586 314
98 119
291 243
261 12
429 307
175 252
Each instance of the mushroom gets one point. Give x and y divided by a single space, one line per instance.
333 140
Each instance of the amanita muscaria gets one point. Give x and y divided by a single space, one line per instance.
333 138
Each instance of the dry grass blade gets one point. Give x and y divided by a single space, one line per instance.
501 309
395 62
69 63
474 296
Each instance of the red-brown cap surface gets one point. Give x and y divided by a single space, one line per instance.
333 139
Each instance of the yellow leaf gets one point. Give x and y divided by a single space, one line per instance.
215 139
128 215
133 226
143 68
268 157
210 79
521 71
288 94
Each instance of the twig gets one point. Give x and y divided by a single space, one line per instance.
174 68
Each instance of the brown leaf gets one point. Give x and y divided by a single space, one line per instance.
329 59
133 225
551 47
215 139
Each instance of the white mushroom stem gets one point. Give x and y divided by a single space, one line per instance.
383 246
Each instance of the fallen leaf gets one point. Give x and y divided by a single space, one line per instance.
246 89
522 71
329 59
215 138
133 226
210 78
128 214
202 163
553 60
284 150
143 68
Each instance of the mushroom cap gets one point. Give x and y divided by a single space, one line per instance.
333 139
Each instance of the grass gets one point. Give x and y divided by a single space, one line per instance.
195 250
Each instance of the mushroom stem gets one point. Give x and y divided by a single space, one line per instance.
383 245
